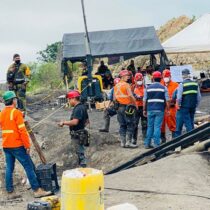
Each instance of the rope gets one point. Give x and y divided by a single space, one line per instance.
44 97
48 116
157 192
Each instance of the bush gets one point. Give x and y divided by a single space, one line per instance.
45 75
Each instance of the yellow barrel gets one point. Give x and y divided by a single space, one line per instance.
82 189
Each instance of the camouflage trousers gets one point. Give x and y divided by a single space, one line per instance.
20 92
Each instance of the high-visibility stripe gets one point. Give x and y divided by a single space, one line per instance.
21 126
155 90
118 92
190 84
156 100
190 92
12 114
7 131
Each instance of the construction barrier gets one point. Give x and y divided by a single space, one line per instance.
82 189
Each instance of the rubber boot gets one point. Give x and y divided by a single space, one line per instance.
123 141
106 123
129 143
163 138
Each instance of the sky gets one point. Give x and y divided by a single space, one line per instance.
27 26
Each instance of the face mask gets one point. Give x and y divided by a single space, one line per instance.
139 83
17 61
166 79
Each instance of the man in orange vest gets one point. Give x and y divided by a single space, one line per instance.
139 95
170 119
126 111
16 145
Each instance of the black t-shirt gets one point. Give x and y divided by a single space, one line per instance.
79 112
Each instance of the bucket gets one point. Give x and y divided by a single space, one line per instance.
82 189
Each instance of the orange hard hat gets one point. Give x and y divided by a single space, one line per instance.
156 75
116 80
73 94
166 73
124 73
138 76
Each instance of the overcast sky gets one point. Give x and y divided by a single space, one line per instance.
27 26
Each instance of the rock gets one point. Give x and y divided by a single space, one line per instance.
125 206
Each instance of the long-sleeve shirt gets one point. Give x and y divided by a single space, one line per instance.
180 94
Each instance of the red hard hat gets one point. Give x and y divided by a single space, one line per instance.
138 76
156 75
166 73
116 80
73 94
124 73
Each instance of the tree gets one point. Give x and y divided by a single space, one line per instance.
50 53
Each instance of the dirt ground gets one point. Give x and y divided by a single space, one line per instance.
183 175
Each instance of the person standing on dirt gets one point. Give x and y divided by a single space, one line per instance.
155 99
16 145
188 98
79 119
126 109
139 94
170 119
110 111
17 79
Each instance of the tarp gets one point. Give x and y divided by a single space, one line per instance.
193 39
123 42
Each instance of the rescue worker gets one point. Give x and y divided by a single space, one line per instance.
17 79
110 111
139 94
102 69
79 119
170 119
188 98
155 99
126 111
16 145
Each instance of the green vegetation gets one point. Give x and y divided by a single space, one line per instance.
44 76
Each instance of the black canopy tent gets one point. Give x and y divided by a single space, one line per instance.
123 42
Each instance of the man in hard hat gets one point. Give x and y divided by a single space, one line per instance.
17 79
139 94
126 111
155 99
188 98
78 121
170 119
110 111
16 145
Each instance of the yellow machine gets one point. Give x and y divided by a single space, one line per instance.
82 189
93 89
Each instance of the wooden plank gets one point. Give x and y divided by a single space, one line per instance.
35 143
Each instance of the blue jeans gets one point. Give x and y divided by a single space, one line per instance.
11 154
184 116
127 123
154 122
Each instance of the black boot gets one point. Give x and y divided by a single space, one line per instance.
106 123
163 138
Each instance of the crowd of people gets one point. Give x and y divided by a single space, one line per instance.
156 100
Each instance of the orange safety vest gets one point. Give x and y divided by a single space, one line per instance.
122 93
14 133
139 91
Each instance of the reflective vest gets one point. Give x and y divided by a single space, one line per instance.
122 93
14 133
139 92
189 95
155 97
